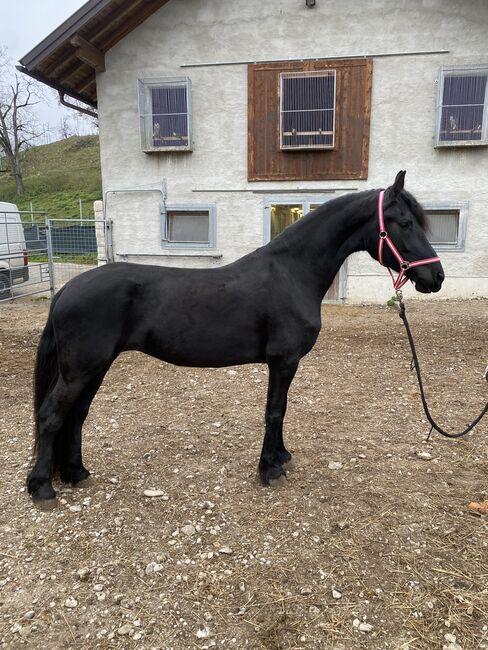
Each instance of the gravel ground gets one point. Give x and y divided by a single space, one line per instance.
175 545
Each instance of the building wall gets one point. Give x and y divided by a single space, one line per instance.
215 172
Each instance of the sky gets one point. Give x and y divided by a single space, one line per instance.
24 24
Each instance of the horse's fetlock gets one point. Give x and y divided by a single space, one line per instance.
284 456
73 475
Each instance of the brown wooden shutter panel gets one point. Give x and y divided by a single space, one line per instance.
348 159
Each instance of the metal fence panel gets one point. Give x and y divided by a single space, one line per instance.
24 269
75 246
39 255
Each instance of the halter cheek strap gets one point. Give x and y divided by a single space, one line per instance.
402 279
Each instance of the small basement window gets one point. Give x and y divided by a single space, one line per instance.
447 225
307 109
188 226
165 114
462 106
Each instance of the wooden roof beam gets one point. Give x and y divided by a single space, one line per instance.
87 53
84 85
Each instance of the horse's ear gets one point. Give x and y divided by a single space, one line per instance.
397 186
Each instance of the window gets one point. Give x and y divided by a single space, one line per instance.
188 226
307 109
165 114
283 215
462 106
447 224
309 120
281 212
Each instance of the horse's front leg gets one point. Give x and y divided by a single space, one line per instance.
274 453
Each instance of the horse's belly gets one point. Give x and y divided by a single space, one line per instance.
206 348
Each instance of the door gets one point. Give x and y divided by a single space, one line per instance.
283 212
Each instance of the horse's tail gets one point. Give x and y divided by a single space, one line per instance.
46 371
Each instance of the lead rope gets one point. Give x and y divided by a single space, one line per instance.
415 364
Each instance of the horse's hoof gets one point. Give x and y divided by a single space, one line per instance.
85 482
289 465
46 505
279 482
40 489
271 474
44 497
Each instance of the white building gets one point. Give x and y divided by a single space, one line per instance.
220 123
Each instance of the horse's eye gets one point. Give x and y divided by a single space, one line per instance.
405 225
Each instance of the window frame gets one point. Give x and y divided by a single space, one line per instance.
145 111
328 72
188 208
458 70
462 208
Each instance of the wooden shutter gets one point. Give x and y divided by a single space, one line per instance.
349 157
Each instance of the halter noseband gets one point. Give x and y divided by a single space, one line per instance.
404 265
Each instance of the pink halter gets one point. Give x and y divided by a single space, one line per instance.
404 265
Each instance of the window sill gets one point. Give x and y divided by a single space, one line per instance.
167 149
175 253
448 248
460 143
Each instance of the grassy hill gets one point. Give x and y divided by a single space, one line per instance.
57 176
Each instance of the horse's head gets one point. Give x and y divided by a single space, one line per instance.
400 239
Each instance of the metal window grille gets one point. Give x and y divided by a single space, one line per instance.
307 109
165 112
444 227
462 106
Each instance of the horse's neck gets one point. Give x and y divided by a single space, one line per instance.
320 243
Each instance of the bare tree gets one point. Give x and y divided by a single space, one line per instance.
65 128
18 126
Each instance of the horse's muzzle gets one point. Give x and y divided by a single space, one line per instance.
431 284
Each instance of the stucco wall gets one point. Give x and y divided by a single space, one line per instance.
402 120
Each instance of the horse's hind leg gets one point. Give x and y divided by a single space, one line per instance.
51 417
67 445
274 453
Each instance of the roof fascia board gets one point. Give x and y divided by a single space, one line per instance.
64 32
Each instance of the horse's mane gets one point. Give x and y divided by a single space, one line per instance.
337 203
416 209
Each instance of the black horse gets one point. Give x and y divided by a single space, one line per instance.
263 308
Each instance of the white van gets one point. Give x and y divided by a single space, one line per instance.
14 259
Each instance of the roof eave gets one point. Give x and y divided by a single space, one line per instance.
63 32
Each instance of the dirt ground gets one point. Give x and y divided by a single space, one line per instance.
369 545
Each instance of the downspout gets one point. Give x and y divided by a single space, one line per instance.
80 109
